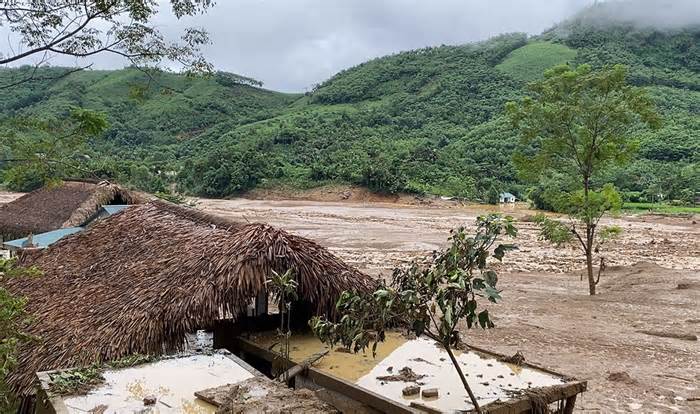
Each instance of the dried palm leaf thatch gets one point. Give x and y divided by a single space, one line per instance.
66 204
137 281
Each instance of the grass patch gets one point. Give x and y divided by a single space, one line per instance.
80 381
76 381
529 62
660 208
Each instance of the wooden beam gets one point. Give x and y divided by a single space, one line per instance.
523 404
298 369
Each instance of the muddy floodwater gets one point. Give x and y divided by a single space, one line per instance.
378 236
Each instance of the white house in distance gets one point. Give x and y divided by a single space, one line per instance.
506 198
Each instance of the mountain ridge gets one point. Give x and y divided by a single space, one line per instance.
423 121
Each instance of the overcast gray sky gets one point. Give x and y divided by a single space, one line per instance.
292 44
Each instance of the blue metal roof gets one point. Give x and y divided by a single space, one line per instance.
43 240
114 208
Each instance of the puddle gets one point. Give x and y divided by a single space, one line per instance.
172 381
489 379
344 365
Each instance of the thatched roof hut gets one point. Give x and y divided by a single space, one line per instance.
68 204
137 281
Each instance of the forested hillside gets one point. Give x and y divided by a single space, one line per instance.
424 121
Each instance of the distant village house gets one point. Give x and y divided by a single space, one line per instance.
506 198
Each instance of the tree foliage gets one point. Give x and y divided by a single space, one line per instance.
578 122
13 321
430 299
84 28
41 151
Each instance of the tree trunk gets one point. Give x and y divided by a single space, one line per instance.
463 378
590 229
589 268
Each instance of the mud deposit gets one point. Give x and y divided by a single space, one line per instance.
546 312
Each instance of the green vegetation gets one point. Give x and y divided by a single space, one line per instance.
76 381
427 299
424 121
13 321
80 381
660 208
529 62
575 124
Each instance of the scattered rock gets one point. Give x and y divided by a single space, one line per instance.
389 369
621 377
150 400
410 390
345 195
430 393
405 374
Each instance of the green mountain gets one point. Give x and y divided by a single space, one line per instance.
425 121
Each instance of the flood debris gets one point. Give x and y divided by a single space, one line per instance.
675 335
259 395
430 393
150 400
621 377
410 390
405 374
516 359
99 409
421 360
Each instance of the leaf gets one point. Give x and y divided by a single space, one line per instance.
491 278
492 294
501 250
484 320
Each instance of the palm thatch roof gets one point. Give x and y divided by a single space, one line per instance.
67 204
137 281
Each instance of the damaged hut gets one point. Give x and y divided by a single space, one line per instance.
68 204
140 280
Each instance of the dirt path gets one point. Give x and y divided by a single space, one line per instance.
546 313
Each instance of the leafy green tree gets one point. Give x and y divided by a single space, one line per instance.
284 288
578 121
493 196
84 28
430 299
44 151
13 321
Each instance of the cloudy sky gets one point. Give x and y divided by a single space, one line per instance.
292 44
